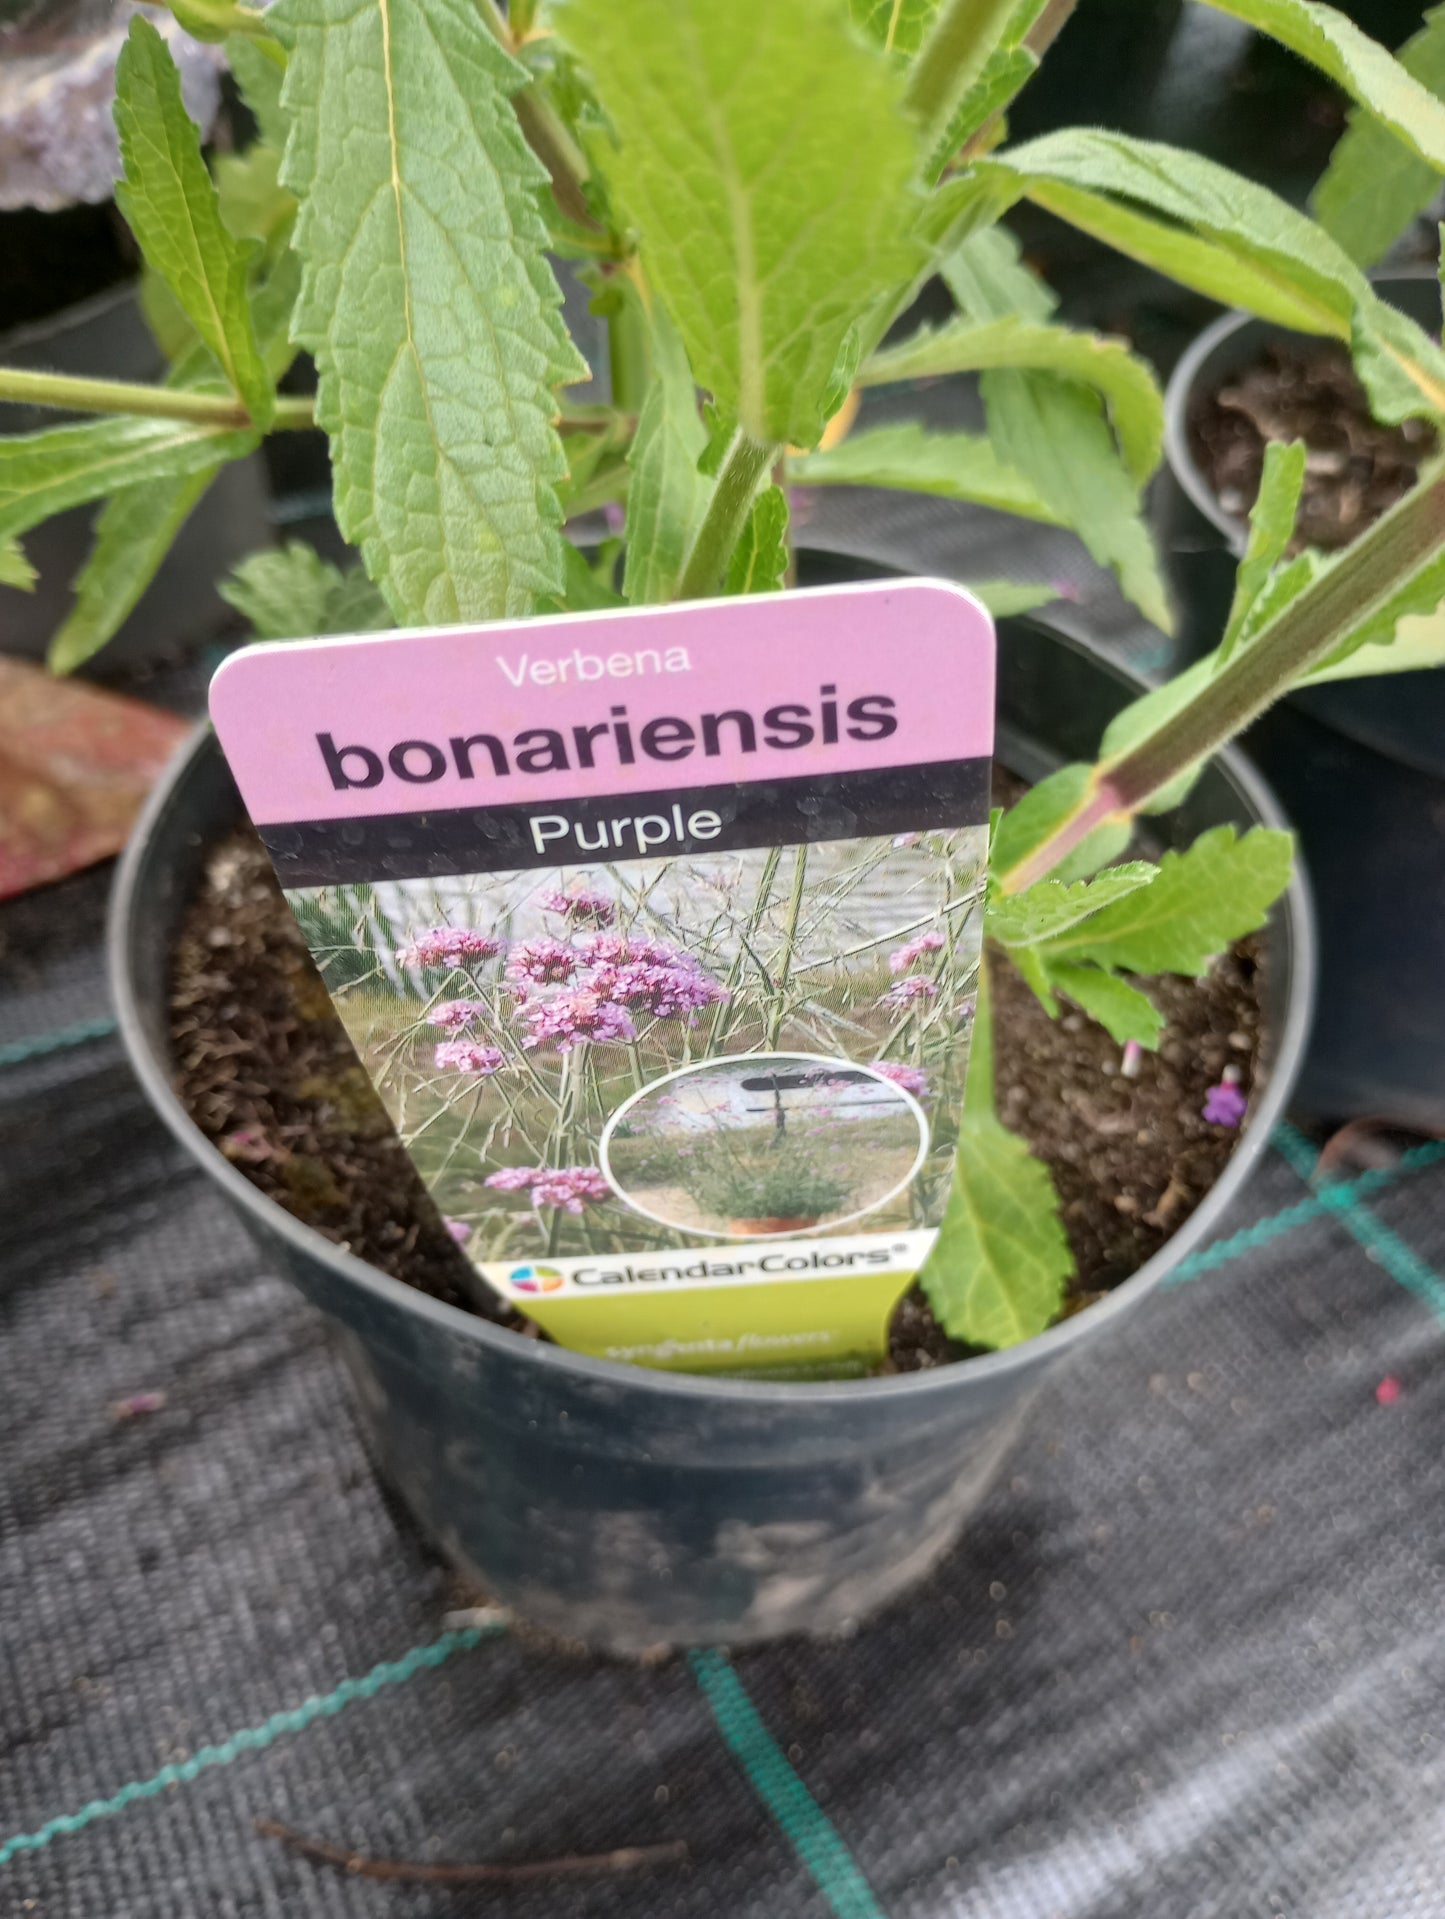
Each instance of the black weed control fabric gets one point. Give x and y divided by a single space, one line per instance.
1187 1662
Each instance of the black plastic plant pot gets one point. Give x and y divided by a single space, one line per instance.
626 1507
1360 768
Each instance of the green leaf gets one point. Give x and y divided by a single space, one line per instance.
1235 242
169 202
760 559
996 1273
133 534
764 157
587 589
668 493
1366 71
1374 185
1004 598
253 203
15 569
952 466
953 57
1123 381
1049 908
1054 432
215 20
427 302
292 593
1121 1009
1418 645
897 25
1006 73
1033 819
987 277
259 74
1147 714
43 473
1216 891
1271 528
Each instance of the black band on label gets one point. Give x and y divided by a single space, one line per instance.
657 825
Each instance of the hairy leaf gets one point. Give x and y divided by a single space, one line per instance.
15 569
1418 645
1271 528
427 302
1235 242
1123 381
1006 73
258 75
292 593
953 466
1147 714
43 473
668 493
1219 889
987 277
1367 71
133 534
1121 1009
1051 907
1374 185
996 1274
764 158
1054 432
760 558
897 25
170 203
589 587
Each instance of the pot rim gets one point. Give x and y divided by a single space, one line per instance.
1053 1343
1180 389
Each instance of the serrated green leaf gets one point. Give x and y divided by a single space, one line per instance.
133 534
1054 432
1121 1009
43 473
15 569
292 593
1361 66
987 277
760 559
1124 382
1203 898
951 466
996 1273
427 302
1006 73
668 492
898 26
1374 186
1418 645
258 73
1049 908
1233 241
762 264
1271 528
170 204
1411 598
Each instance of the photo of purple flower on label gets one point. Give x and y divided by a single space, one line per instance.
522 1025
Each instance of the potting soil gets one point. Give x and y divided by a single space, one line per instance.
1186 1662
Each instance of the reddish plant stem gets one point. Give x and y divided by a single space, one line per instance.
481 1873
1305 633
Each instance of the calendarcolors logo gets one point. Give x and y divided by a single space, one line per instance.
536 1279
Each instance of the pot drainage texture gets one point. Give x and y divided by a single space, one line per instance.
1187 1660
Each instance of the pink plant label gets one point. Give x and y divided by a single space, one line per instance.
657 931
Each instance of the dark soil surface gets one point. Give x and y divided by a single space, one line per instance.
267 1072
1307 390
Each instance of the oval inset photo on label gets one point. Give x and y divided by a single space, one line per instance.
765 1146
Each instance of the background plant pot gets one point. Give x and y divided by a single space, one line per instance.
107 338
626 1507
772 1223
1360 768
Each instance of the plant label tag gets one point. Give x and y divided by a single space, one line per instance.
657 931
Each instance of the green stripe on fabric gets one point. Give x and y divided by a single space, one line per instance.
20 1050
1298 1151
802 1820
1384 1245
391 1672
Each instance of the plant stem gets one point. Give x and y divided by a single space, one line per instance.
964 34
744 464
544 132
628 360
1307 631
790 936
74 394
1039 38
